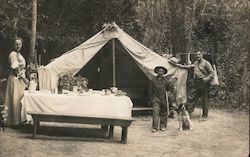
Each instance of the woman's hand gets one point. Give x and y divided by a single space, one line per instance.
21 65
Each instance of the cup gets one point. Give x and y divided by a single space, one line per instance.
108 92
75 89
103 92
32 86
53 91
90 90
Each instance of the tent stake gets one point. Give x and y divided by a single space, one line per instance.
113 52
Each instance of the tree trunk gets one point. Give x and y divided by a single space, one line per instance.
32 59
246 81
244 99
217 19
172 5
189 15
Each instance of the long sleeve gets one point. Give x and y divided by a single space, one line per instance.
13 61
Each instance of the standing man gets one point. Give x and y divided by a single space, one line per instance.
158 97
203 73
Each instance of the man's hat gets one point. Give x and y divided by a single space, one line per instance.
160 67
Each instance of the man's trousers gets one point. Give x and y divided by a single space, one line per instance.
199 90
160 114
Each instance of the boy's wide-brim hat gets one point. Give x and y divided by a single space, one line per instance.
160 67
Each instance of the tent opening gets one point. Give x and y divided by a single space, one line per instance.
129 77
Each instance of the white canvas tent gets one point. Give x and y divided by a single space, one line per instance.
74 60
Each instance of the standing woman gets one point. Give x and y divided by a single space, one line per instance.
16 84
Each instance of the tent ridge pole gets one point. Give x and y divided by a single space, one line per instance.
113 52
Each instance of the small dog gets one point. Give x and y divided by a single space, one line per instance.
184 119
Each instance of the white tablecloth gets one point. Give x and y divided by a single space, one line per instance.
87 105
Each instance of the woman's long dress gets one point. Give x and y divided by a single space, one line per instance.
15 90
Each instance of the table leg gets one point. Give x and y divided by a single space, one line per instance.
111 131
124 135
36 123
105 129
3 127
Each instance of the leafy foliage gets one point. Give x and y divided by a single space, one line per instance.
220 28
63 24
69 23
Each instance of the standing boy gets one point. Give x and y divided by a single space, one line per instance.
158 97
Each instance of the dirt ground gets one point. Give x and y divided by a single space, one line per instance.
225 134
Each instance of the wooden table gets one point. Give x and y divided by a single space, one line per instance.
95 105
104 121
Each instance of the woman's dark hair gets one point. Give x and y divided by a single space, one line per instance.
18 38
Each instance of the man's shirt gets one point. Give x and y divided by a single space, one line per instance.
158 88
203 69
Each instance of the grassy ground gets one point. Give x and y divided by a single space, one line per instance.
223 135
